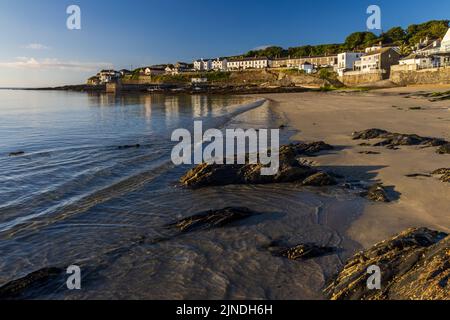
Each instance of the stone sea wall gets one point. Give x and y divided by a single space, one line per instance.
404 75
356 78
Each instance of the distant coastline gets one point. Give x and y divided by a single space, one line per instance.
177 89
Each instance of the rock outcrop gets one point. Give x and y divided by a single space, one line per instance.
290 169
444 149
212 219
414 265
376 193
391 140
18 289
319 179
16 153
444 173
125 147
302 251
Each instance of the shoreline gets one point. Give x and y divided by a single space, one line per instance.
177 89
333 116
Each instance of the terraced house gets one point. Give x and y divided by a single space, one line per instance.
316 61
248 63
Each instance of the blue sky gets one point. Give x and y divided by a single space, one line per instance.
38 50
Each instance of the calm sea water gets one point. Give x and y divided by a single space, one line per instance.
75 198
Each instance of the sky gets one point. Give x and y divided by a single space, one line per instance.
37 48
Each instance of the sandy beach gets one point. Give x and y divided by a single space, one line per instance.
334 116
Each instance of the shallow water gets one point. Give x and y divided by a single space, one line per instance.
75 198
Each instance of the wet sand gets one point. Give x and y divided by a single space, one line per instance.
333 116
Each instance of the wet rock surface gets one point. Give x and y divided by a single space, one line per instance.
391 140
212 219
377 193
299 252
16 153
18 289
290 169
414 265
125 147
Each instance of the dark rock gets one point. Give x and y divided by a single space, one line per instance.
391 140
441 171
17 153
370 134
212 219
306 251
33 281
290 169
369 152
376 193
134 146
444 149
301 251
414 265
319 179
415 175
445 174
309 149
445 177
365 144
391 147
415 108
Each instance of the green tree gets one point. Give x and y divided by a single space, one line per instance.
404 49
432 29
359 40
394 35
270 52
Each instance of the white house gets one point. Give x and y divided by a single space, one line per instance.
445 44
154 70
219 64
107 76
203 65
438 49
248 63
346 61
420 61
307 67
379 60
125 72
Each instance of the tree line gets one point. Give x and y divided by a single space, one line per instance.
406 39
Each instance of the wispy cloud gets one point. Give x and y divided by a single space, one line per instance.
36 46
51 63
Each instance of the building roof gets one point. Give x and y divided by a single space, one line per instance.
379 51
200 60
306 57
249 59
414 56
158 67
